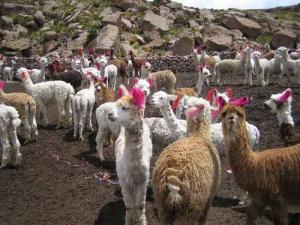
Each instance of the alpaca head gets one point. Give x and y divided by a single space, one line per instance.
214 93
198 109
43 61
233 118
256 55
282 51
102 61
162 99
180 104
143 84
129 109
279 103
22 73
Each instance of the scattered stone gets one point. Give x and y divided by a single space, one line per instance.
284 38
32 25
112 19
17 45
6 21
207 14
158 43
39 18
126 24
183 46
154 22
50 35
194 25
219 42
49 46
78 41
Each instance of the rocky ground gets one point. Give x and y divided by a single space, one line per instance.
59 181
148 28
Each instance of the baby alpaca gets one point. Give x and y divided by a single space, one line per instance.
9 122
26 107
8 72
281 104
261 68
83 103
187 173
110 74
133 153
272 177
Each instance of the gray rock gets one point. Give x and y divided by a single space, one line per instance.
154 22
73 25
126 24
150 36
157 43
78 41
107 38
164 11
125 4
50 35
32 25
112 19
174 5
236 34
248 27
207 14
49 46
39 18
140 39
73 17
213 29
108 11
194 25
6 21
219 42
285 38
17 45
183 46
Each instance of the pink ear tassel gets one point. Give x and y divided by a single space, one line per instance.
134 81
214 114
122 91
210 95
286 94
241 101
229 93
138 97
151 82
1 85
193 112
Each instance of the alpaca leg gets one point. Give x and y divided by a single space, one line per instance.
129 204
82 117
16 147
43 109
140 198
279 211
27 130
5 152
89 117
256 207
75 121
267 78
101 136
61 113
260 78
115 81
69 111
33 124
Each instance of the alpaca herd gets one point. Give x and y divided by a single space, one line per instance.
196 132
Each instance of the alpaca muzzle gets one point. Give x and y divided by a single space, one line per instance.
111 117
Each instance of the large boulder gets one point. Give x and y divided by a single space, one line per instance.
39 18
125 4
49 46
126 24
219 42
114 18
213 29
17 45
284 38
183 46
206 14
108 11
250 28
158 43
154 22
78 41
107 38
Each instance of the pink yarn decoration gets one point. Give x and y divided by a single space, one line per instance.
201 67
285 95
138 97
193 112
122 91
176 103
151 82
210 95
1 85
134 81
243 101
98 65
229 92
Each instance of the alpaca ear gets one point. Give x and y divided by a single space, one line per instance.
194 111
151 82
241 101
24 75
138 97
285 95
200 68
172 97
122 91
229 92
176 103
98 65
1 85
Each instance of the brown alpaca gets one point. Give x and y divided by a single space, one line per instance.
137 64
187 173
121 64
185 91
271 177
288 135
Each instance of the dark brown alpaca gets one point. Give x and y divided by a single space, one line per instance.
137 64
121 64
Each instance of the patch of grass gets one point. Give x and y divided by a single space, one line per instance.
264 39
136 45
291 15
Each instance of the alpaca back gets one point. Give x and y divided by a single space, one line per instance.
164 80
192 166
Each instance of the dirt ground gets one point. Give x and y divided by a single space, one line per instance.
60 182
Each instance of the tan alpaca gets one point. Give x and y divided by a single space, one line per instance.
271 177
187 173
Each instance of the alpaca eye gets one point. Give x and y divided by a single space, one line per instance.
161 98
223 114
125 108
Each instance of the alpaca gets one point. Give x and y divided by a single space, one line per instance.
8 72
209 61
204 74
249 66
83 103
84 60
281 104
121 65
45 93
26 107
143 84
187 173
9 122
163 80
180 92
110 74
261 68
271 177
133 153
276 67
103 93
38 75
137 64
291 67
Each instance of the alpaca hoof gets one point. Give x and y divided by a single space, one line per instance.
18 159
242 202
81 138
229 171
101 158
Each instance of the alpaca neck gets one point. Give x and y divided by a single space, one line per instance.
200 83
28 85
92 86
203 55
285 116
199 127
238 148
43 72
277 63
171 120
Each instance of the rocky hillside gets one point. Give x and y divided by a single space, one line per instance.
148 28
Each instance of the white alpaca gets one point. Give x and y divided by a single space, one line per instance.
249 67
110 73
291 67
8 72
9 122
83 103
38 75
276 67
261 68
45 93
203 76
101 62
133 153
